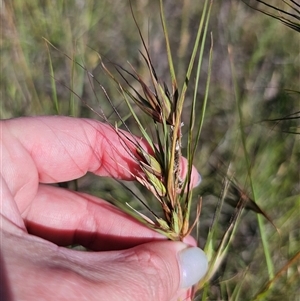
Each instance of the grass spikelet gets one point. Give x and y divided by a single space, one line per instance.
161 167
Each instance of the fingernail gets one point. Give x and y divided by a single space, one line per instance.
199 180
194 265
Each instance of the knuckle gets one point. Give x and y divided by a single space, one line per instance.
155 271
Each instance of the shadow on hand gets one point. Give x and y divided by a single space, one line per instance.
97 240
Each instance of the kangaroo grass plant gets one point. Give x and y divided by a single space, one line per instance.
287 12
161 166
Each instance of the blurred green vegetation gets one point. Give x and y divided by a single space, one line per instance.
263 79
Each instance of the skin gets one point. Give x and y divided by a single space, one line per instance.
128 261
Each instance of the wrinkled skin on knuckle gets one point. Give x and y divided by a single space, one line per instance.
155 279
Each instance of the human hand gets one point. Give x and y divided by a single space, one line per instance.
37 219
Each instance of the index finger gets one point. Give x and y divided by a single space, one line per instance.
66 148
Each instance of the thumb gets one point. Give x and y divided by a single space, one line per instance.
160 271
